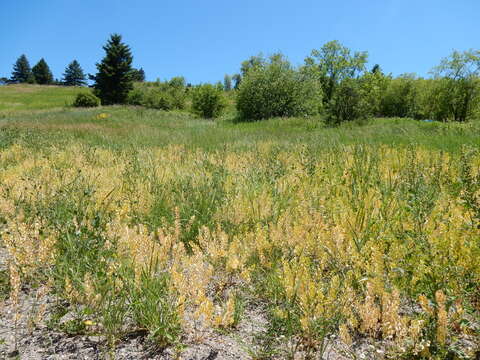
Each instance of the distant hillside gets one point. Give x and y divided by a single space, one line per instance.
36 97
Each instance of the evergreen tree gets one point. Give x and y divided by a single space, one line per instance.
227 82
138 75
42 73
22 73
74 75
237 79
113 80
376 69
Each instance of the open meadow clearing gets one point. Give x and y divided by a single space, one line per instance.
139 232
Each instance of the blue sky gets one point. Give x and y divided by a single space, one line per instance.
203 40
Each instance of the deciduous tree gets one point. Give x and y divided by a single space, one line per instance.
460 87
277 89
334 63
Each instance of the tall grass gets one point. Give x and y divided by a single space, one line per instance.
163 224
371 241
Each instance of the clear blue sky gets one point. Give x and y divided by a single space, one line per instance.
203 40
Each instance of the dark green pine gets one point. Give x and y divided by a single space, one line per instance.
114 78
22 73
42 73
74 75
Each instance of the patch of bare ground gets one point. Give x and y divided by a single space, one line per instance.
26 333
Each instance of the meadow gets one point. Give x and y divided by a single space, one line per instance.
15 98
176 228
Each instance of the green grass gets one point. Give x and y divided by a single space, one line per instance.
212 184
14 98
136 127
40 115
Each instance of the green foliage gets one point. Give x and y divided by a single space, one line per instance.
253 62
113 80
373 85
208 101
158 99
136 96
237 79
400 98
153 309
177 82
86 99
470 182
332 64
430 100
138 75
376 69
349 102
169 95
274 88
74 75
42 73
459 90
22 73
227 82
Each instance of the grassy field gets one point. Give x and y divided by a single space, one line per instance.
181 228
14 98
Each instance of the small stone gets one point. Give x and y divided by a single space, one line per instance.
95 339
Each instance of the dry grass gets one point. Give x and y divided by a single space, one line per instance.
374 243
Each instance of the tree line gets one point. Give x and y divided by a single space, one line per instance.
333 82
41 74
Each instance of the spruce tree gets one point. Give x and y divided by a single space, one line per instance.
113 80
237 79
42 73
22 73
74 75
227 82
138 75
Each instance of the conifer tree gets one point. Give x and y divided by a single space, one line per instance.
237 79
42 73
74 75
113 80
138 75
22 73
227 82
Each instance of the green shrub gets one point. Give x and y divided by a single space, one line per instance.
163 96
157 99
208 101
86 100
349 102
275 89
401 97
136 97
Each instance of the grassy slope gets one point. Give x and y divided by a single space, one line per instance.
127 127
14 98
23 118
59 179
